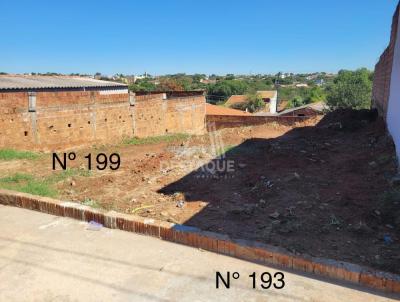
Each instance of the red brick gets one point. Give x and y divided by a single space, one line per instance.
372 279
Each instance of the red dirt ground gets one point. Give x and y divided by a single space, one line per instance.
323 190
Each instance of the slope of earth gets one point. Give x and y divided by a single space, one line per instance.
322 188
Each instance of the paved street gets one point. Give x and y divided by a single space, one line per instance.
49 258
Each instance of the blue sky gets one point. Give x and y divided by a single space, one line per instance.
208 36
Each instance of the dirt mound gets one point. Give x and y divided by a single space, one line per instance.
348 119
322 190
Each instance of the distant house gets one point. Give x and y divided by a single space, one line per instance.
308 110
208 81
282 105
270 98
219 110
301 85
236 99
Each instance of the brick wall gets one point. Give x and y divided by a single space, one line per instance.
67 119
383 72
156 116
63 119
231 121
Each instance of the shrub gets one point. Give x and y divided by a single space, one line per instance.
351 89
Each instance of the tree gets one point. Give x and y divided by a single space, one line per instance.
170 84
296 102
254 103
315 94
351 89
143 85
226 88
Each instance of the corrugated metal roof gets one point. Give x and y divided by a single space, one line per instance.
8 82
319 106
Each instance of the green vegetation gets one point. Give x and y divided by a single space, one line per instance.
157 139
302 95
351 89
63 175
174 82
27 183
254 103
91 203
222 151
220 88
143 85
10 154
226 88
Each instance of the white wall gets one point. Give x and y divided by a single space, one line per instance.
393 112
273 104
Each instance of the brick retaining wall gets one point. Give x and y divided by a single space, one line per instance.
155 116
232 121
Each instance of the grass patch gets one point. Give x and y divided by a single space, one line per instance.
222 151
17 177
10 154
157 139
54 178
28 184
91 203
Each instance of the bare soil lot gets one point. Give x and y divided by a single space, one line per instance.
323 190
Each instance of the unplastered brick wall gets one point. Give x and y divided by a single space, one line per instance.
156 115
383 72
64 119
68 119
232 121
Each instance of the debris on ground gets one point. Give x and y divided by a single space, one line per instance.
387 239
306 174
94 226
141 208
180 203
274 215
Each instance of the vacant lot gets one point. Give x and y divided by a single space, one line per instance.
323 190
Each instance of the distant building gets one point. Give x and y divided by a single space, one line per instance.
208 81
236 99
51 113
306 110
139 77
311 77
270 98
219 110
282 104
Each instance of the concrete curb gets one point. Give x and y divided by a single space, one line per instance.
218 243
